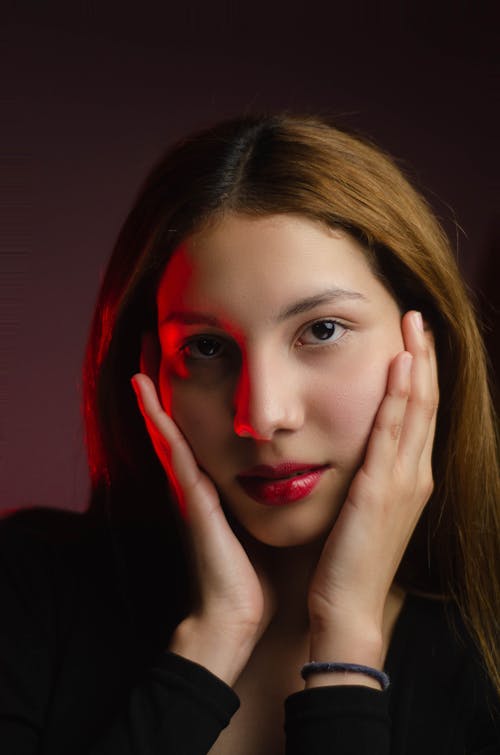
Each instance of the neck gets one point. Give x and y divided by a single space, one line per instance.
287 572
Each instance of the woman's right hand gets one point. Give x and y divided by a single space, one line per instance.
235 604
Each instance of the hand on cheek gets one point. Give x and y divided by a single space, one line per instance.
363 551
234 602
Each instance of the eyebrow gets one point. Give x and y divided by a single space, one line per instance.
328 296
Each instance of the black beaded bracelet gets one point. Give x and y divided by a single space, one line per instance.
315 667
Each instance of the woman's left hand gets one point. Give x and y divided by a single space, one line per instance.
348 591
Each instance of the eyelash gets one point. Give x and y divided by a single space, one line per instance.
319 344
327 342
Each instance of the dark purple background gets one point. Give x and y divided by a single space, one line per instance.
91 98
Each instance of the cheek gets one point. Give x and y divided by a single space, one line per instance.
198 414
346 407
165 387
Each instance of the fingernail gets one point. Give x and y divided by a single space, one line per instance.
417 316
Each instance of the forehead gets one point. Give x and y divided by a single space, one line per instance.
262 263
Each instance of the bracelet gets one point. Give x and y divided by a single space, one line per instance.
314 667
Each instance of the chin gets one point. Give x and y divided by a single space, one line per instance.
280 528
288 540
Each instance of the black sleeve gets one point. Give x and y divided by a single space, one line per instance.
176 707
180 709
340 720
26 651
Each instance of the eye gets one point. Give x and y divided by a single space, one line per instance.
203 347
321 331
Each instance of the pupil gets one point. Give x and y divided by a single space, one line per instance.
207 346
323 330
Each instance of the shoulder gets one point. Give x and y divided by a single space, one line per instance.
440 676
42 579
41 549
435 630
436 626
42 523
59 563
37 532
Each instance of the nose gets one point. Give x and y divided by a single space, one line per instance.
266 400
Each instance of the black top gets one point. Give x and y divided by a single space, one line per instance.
85 620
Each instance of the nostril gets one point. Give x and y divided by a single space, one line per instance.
243 430
264 400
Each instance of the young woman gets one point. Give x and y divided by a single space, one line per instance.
292 542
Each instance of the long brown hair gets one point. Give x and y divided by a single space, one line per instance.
261 165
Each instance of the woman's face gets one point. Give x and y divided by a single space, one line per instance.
276 340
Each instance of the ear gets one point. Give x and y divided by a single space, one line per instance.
150 357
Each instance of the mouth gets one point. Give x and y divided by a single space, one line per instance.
283 484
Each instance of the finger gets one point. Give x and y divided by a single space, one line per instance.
196 494
425 467
418 430
435 393
164 429
384 438
222 569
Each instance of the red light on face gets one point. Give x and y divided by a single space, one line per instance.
171 339
170 297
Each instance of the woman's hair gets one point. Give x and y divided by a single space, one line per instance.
263 165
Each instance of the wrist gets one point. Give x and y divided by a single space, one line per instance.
364 651
222 651
360 647
335 677
366 642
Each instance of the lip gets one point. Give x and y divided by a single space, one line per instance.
273 486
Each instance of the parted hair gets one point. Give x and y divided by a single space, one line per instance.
260 165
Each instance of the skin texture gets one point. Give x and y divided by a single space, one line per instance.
361 400
279 392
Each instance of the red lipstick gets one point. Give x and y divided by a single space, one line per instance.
281 484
